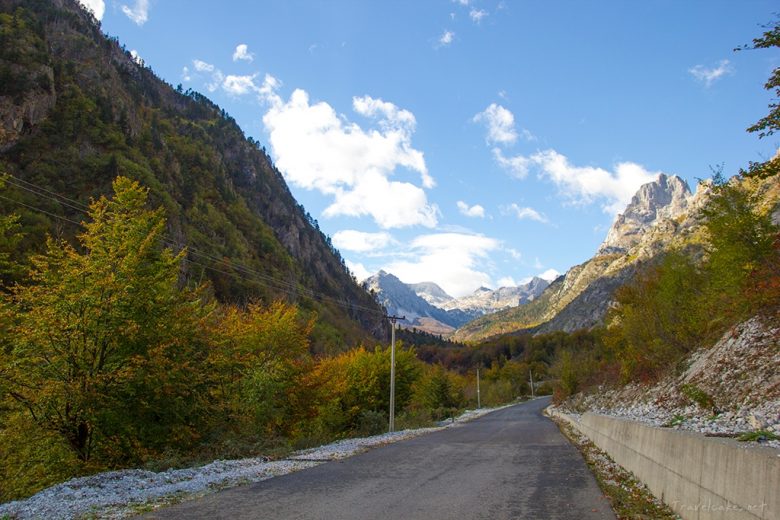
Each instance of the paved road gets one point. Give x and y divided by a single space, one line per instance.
512 463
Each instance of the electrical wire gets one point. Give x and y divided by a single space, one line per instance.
248 272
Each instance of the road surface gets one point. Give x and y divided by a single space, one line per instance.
512 463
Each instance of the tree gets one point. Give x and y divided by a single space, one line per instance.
769 124
105 344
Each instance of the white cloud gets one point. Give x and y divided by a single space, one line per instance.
525 213
446 38
319 149
586 184
240 85
358 269
202 66
549 275
500 124
582 184
461 2
514 253
471 211
507 281
452 260
477 15
138 13
137 57
518 165
185 74
96 7
709 75
361 242
242 53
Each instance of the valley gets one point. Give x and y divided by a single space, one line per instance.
210 223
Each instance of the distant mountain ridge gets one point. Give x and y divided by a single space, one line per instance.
428 307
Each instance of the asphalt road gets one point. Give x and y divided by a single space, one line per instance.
512 463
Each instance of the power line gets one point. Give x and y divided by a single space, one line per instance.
248 272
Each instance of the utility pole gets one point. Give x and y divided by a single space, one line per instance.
392 319
531 375
479 403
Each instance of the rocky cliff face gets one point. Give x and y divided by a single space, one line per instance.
666 198
76 111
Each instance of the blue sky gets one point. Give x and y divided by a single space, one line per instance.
469 142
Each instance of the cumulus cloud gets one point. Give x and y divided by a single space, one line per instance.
525 213
361 242
185 74
471 211
96 7
240 85
582 184
500 124
139 13
708 75
507 281
319 149
358 270
588 184
242 53
477 15
453 260
549 275
446 38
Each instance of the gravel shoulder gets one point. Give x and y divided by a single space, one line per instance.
124 493
728 390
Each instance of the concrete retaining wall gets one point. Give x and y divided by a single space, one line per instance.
700 478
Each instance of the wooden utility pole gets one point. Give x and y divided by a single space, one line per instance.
393 320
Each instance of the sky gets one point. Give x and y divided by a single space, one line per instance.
469 142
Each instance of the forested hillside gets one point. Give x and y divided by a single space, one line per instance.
76 111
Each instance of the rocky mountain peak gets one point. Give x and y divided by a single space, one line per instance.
665 198
431 293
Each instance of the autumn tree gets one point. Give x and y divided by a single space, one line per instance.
106 345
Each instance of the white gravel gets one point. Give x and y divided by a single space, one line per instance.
741 374
120 494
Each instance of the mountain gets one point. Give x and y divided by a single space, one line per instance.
666 198
428 307
77 110
401 300
431 293
486 301
661 214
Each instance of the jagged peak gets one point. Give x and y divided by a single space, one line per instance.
668 196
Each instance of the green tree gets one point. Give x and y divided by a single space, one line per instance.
105 349
769 124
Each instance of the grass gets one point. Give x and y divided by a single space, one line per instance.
758 436
674 421
629 498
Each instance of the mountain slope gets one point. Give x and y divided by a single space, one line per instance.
581 297
661 216
76 111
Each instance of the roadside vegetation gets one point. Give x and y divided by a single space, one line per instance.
109 360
